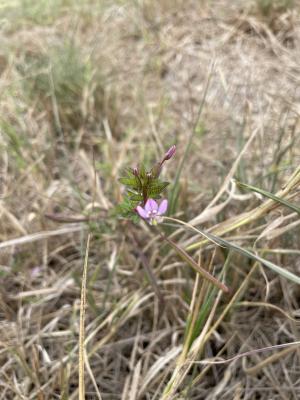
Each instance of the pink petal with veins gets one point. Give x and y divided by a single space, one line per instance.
151 205
142 213
163 207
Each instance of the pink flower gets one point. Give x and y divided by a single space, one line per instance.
153 212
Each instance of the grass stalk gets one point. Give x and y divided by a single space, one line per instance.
81 381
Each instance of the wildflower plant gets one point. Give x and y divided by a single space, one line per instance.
143 188
141 201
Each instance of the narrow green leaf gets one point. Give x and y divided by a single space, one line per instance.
198 325
156 188
142 171
270 196
131 182
155 196
135 196
127 181
129 172
158 185
279 270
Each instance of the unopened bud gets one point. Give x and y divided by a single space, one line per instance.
135 171
170 153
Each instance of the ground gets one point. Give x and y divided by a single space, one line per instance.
89 88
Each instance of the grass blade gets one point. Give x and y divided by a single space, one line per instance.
279 270
252 215
224 243
81 326
187 258
270 196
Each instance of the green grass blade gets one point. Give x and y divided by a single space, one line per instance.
270 196
279 270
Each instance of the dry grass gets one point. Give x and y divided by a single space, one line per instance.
91 87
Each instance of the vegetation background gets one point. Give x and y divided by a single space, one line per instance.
90 87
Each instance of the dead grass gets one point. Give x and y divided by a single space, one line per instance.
123 80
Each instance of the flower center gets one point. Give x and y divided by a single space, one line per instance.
152 214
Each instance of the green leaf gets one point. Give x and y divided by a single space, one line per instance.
127 205
129 172
270 196
131 182
157 184
156 188
142 171
279 270
155 196
126 209
135 196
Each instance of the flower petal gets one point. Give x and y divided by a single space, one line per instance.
151 205
162 207
142 213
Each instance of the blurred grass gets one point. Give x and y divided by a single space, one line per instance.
59 81
267 7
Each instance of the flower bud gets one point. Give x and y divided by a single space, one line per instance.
170 153
135 171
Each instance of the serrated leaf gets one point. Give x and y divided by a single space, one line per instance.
129 214
156 188
126 207
155 196
129 172
153 193
156 183
131 182
135 196
142 171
